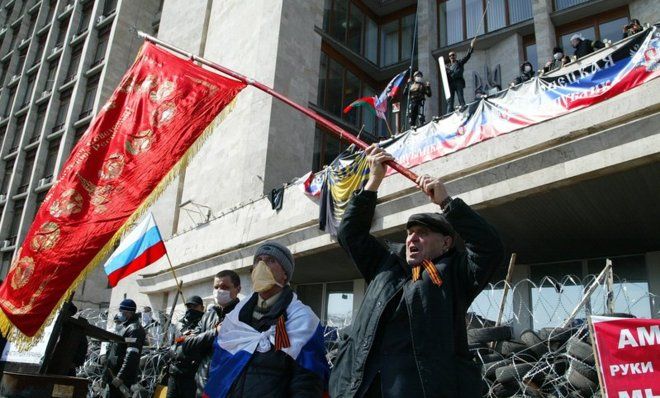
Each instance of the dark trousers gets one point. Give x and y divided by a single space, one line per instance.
181 386
455 92
416 113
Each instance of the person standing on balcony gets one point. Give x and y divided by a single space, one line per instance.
409 336
455 69
526 74
417 90
584 46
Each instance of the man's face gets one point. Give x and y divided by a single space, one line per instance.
225 283
452 57
575 42
275 267
422 243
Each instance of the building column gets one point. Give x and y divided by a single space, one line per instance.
427 41
544 30
653 273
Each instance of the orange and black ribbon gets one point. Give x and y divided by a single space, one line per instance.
281 336
430 269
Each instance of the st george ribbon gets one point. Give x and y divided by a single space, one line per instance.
143 136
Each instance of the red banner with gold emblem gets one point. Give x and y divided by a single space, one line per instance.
142 137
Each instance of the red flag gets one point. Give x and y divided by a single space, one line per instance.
138 142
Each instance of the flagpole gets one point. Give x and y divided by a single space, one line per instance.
332 127
176 280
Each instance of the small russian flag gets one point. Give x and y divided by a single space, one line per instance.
138 249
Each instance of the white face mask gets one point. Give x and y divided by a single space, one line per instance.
558 56
528 68
262 278
146 318
222 297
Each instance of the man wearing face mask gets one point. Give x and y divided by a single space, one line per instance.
556 63
271 345
181 383
226 286
150 325
417 90
409 336
124 358
526 73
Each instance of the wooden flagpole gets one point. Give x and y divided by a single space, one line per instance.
332 127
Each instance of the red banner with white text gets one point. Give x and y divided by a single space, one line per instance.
628 353
139 140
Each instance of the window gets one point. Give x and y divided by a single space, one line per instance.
61 34
16 221
459 20
27 171
351 24
351 92
104 36
332 302
3 72
38 124
65 99
16 139
557 286
109 7
90 96
339 307
9 168
561 4
606 25
28 91
21 61
74 63
84 18
326 148
51 11
519 10
51 159
41 45
80 131
529 42
32 24
389 43
14 36
10 101
50 80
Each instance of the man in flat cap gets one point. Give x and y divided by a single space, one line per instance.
271 344
409 337
124 358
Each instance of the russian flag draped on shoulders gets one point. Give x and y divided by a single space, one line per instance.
238 341
143 246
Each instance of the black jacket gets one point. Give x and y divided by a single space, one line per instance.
436 314
524 76
455 71
200 346
184 364
124 358
586 47
273 374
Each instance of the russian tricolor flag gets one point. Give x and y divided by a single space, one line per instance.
143 246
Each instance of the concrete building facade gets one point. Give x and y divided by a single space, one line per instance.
59 61
565 193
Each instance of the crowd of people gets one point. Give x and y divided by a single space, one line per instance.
407 339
